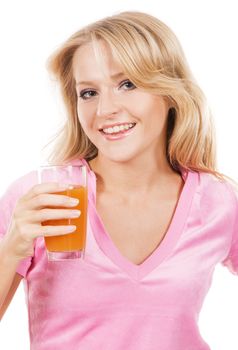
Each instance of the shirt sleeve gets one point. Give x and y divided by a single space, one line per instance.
8 201
231 261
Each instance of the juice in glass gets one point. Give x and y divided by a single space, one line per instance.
70 245
71 241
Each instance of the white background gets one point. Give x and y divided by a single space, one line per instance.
30 112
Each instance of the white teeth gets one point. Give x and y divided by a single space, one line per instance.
118 128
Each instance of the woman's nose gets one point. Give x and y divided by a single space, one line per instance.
107 103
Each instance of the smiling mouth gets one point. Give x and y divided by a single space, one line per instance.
118 132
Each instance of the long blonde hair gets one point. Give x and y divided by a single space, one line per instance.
153 60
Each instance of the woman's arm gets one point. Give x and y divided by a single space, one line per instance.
25 226
9 278
15 283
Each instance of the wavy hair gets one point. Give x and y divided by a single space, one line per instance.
153 59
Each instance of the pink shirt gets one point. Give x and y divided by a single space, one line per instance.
107 302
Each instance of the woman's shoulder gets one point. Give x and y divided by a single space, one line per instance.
23 182
218 191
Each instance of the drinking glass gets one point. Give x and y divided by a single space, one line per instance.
71 245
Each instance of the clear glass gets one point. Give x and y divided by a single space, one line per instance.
71 245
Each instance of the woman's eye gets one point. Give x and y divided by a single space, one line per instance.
128 82
87 94
84 96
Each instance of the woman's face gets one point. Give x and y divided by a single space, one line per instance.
104 101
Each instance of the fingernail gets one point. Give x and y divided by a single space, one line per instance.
74 201
70 228
75 213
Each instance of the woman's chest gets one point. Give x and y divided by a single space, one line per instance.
136 230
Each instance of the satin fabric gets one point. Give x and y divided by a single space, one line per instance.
106 301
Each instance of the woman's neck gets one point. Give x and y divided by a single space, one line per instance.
136 177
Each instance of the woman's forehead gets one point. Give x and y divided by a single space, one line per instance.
95 59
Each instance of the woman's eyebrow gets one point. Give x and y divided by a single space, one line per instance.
113 77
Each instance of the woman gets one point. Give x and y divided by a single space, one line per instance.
160 214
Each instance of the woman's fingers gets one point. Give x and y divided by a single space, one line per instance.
39 216
52 200
47 187
32 231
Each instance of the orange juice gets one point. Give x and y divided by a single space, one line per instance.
71 241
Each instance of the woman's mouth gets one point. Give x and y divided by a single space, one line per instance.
118 135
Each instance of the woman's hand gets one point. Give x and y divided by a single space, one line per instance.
30 211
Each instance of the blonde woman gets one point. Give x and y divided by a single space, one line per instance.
161 216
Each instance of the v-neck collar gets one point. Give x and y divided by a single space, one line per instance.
166 246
